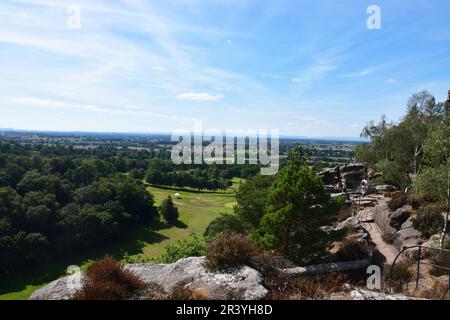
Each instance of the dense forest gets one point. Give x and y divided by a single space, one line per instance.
55 200
415 152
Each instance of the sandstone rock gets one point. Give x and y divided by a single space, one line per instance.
239 283
406 238
351 223
382 216
328 267
360 294
330 176
434 241
407 224
61 289
353 174
385 188
398 217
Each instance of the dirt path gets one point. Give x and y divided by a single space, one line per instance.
387 250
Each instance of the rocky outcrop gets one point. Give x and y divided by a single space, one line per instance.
360 294
381 216
326 268
330 176
353 174
351 223
61 289
398 217
385 188
239 283
406 238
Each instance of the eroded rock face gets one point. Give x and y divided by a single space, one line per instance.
61 289
330 176
398 217
406 238
361 294
328 268
385 188
353 174
240 283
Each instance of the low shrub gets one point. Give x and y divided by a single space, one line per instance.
282 287
183 293
399 276
107 280
184 248
429 220
442 259
398 200
414 201
353 250
231 250
436 290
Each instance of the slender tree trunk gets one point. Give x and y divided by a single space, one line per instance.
444 231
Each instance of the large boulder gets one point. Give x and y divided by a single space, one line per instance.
434 241
61 289
360 294
398 217
385 188
382 219
353 174
330 176
326 268
350 224
406 238
239 283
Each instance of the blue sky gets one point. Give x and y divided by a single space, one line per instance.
309 68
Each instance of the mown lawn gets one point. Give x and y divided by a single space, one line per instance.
197 210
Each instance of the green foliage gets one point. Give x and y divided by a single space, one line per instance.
398 276
251 199
429 220
226 224
192 247
432 183
53 201
398 200
168 210
297 206
231 250
401 150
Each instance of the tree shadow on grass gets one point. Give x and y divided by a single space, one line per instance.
162 225
130 244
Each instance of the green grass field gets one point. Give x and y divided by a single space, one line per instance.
197 210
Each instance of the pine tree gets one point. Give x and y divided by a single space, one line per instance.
168 210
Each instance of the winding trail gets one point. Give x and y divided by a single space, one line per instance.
388 251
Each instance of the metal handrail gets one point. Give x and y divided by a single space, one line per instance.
420 246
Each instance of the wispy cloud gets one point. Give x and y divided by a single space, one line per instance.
159 68
202 96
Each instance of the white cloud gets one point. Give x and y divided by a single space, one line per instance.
128 106
58 104
159 68
389 81
199 96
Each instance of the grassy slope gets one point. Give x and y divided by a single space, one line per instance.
197 210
